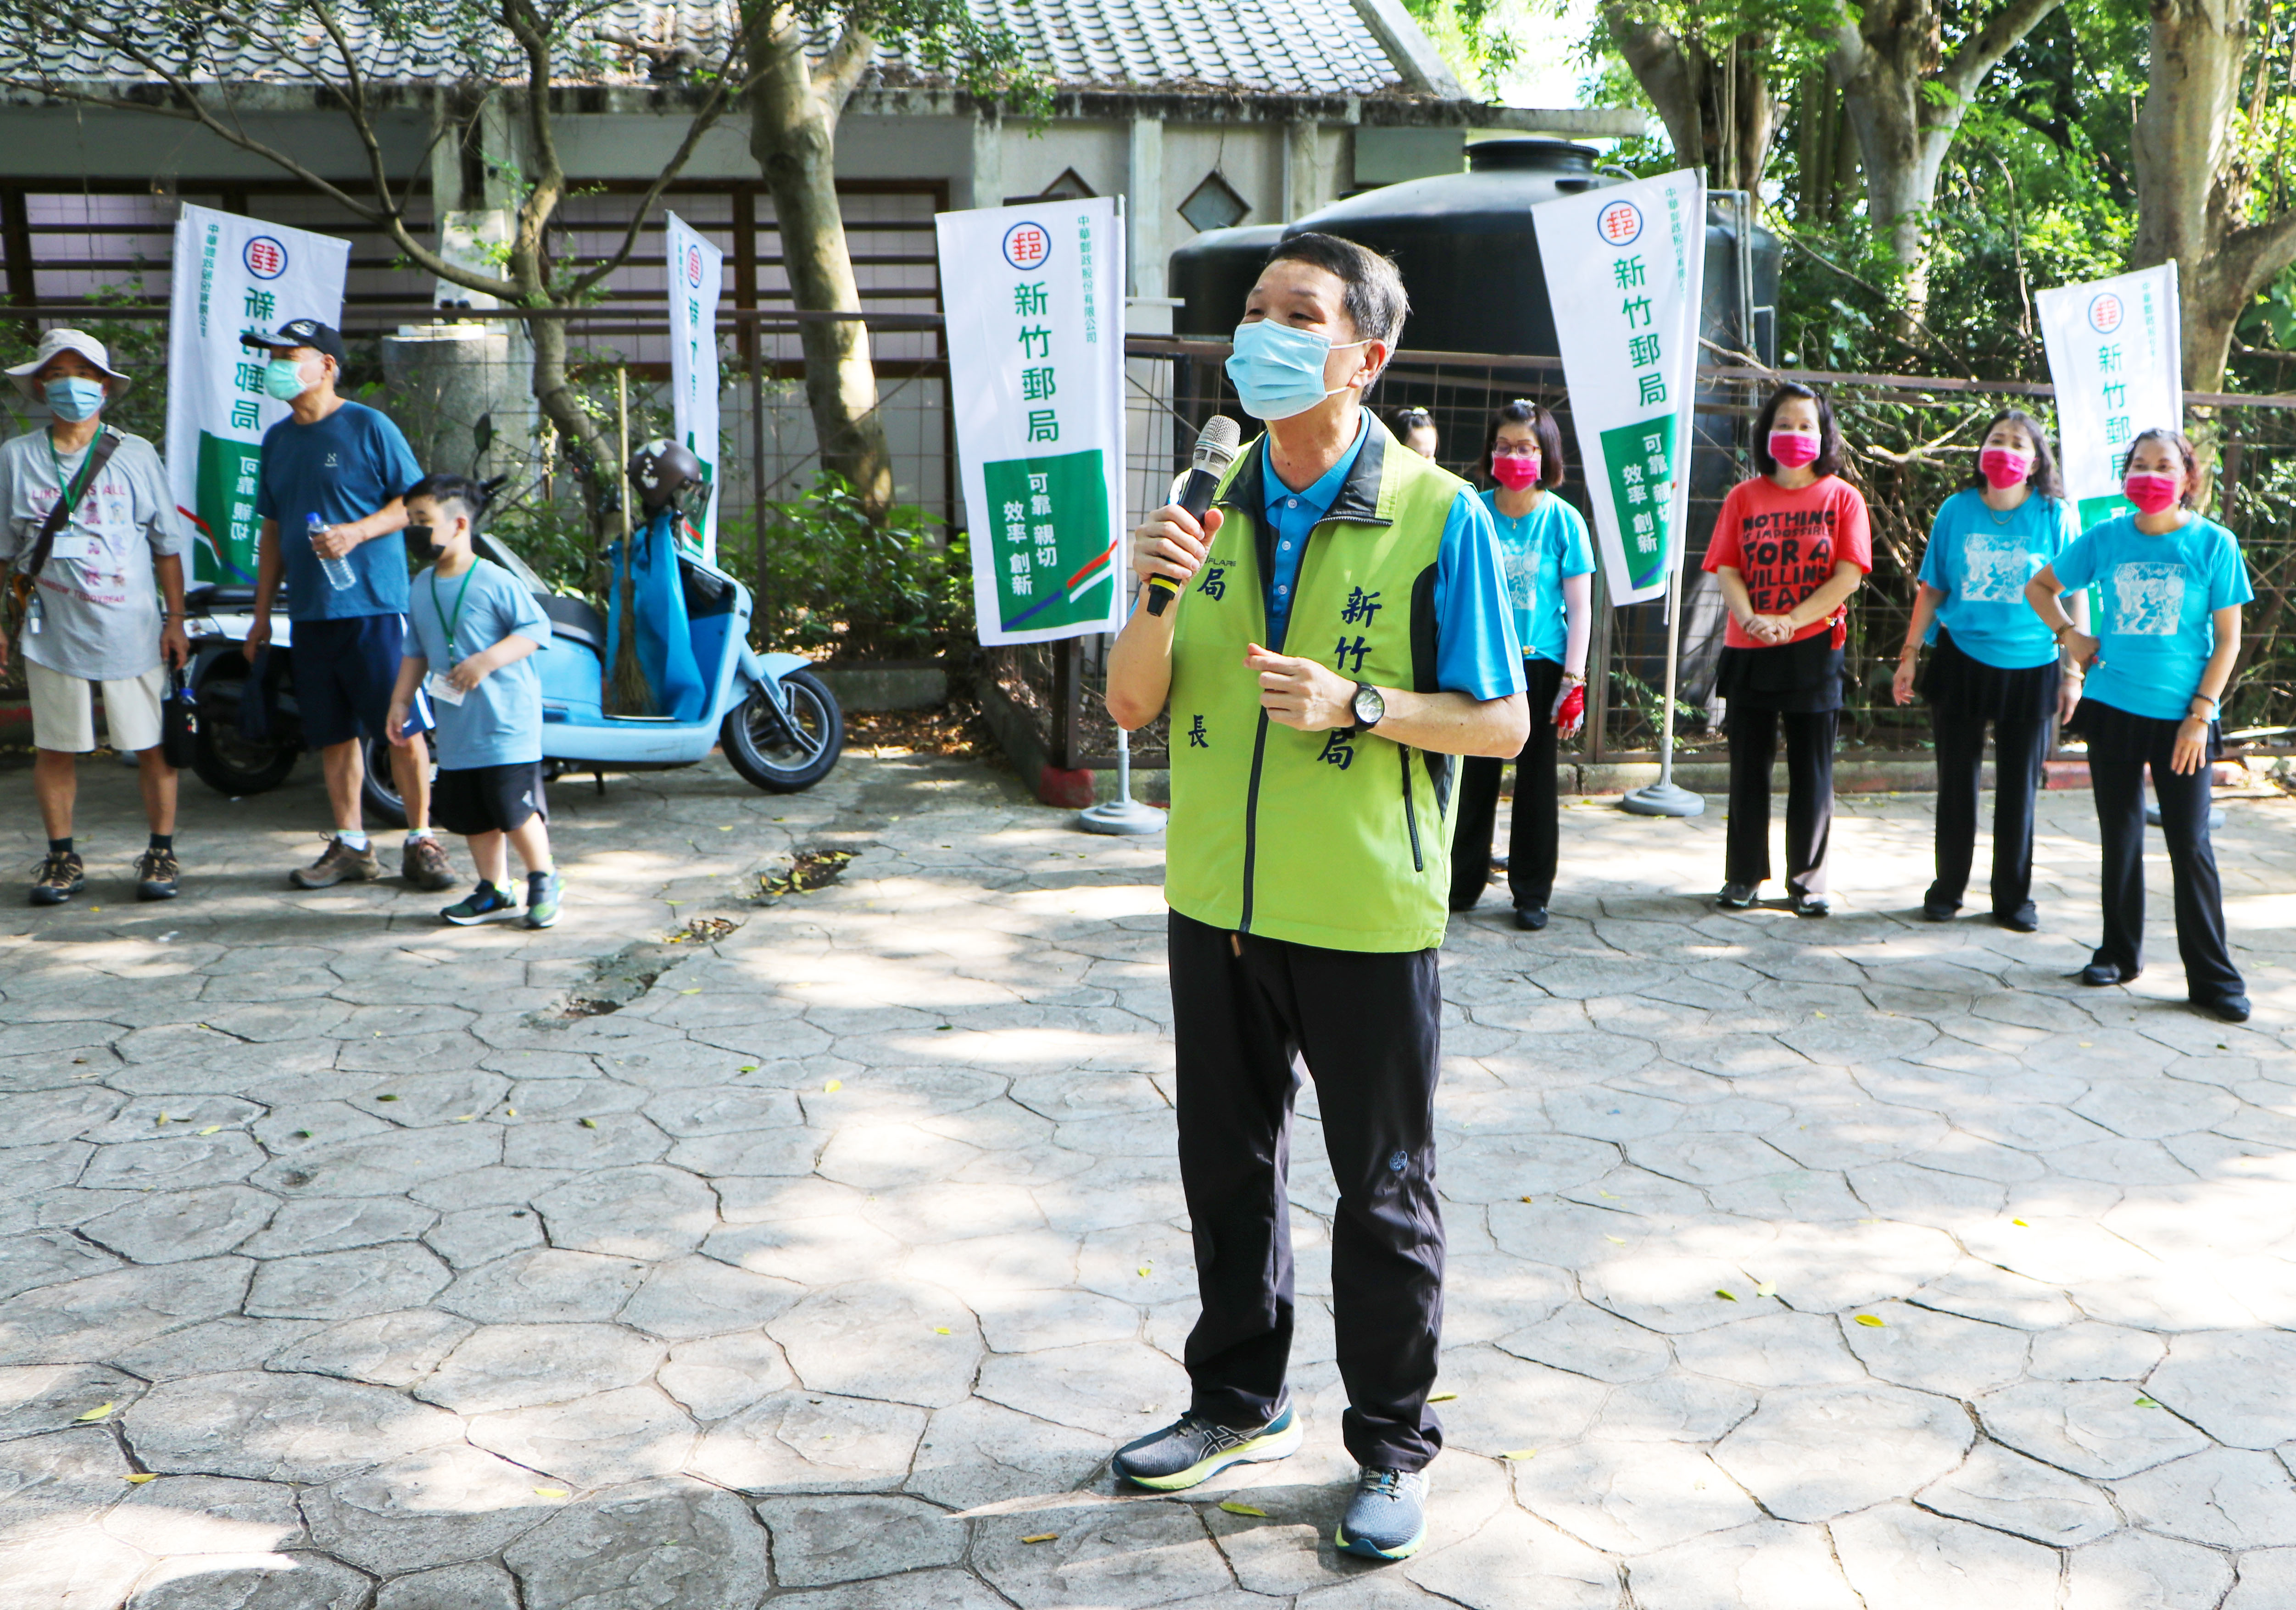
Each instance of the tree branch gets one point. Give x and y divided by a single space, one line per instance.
843 67
1980 54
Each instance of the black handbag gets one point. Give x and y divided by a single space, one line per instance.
179 722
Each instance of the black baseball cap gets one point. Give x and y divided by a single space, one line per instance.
301 333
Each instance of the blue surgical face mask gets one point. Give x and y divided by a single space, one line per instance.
1278 371
283 378
72 399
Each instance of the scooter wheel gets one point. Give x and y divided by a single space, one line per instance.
783 746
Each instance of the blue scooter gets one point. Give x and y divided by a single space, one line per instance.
779 725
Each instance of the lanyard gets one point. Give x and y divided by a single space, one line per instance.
444 625
70 494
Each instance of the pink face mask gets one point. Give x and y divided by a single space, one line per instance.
1793 449
2152 493
2005 467
1516 471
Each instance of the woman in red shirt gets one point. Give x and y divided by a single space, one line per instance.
1789 547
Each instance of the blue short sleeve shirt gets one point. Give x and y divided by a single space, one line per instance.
498 722
343 468
2160 593
1981 560
1540 550
1477 652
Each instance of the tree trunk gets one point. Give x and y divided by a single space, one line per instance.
1906 101
1669 73
2192 194
792 136
561 405
1719 113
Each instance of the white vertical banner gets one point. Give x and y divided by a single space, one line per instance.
1624 273
2116 353
697 272
1034 298
234 275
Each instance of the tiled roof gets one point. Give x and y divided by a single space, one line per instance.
1287 48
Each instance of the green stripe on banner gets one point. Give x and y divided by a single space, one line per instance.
1639 459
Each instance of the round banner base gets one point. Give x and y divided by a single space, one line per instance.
1126 817
1663 800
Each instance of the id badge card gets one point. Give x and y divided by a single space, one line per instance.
445 692
81 546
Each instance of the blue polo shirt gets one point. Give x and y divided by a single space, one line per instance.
1476 650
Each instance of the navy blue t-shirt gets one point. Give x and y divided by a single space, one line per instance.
344 468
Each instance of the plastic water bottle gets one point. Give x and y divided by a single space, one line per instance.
339 574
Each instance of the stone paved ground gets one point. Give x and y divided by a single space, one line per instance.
1795 1266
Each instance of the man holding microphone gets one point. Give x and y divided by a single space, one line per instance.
1341 631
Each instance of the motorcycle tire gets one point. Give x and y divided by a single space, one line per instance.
224 760
378 799
779 753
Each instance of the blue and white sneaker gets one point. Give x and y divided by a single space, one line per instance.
1193 1449
1387 1518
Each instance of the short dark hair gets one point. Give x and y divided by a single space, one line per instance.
1414 418
2043 476
1523 411
1373 297
452 489
1829 434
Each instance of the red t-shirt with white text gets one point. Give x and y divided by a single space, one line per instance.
1786 544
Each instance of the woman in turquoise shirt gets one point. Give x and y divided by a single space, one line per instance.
2172 583
1550 565
1993 660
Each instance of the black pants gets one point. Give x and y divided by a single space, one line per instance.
1810 795
1533 834
1249 1017
2116 770
2018 747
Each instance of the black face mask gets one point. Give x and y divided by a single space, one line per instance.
418 540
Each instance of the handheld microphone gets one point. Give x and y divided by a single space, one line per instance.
1215 451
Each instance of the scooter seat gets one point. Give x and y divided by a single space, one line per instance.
576 619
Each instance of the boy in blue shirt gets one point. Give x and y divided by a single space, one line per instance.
481 626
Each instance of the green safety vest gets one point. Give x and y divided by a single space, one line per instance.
1317 838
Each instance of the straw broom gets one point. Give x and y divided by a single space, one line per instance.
626 692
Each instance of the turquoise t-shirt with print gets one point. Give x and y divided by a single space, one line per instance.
1539 550
449 619
2158 594
1980 559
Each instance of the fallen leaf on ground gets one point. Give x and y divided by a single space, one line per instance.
550 1493
211 1129
1444 1397
1521 1453
386 1097
1622 1240
2140 1403
1232 1507
695 990
1876 1320
2021 1224
833 1086
1042 1537
464 1118
99 1412
940 1330
1768 1288
1725 1296
141 1476
589 1124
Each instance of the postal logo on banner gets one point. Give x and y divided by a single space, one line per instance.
1027 245
265 258
2105 314
1621 223
693 266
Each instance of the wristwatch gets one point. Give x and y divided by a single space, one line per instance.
1371 708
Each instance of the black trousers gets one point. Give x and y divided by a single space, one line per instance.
1533 833
1251 1016
2019 748
2116 770
1809 794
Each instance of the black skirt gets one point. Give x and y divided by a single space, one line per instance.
2114 733
1962 688
1801 678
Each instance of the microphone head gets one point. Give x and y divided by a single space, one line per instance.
1216 447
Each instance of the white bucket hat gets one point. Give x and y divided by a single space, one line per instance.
54 341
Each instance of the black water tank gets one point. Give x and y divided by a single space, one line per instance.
1468 251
